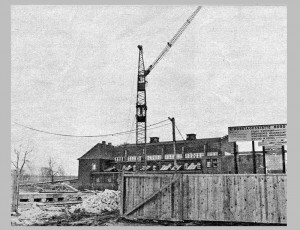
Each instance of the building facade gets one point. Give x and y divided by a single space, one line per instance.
101 166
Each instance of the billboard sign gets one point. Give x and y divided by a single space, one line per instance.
257 133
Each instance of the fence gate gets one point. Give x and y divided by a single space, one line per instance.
254 198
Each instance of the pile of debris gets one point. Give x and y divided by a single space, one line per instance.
98 203
36 214
108 200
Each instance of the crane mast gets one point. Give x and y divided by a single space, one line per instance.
141 105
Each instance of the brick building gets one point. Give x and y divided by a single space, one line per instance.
101 166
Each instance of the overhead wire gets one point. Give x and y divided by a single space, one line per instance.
99 135
179 132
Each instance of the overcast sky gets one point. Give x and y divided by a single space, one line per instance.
74 71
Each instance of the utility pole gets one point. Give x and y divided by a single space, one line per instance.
174 141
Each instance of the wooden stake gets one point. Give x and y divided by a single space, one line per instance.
254 158
236 170
283 159
264 160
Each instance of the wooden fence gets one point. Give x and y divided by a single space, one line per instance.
205 197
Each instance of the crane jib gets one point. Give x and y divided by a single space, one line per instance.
172 41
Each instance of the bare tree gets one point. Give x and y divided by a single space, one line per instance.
21 158
54 170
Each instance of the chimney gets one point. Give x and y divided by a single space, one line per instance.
154 139
191 137
109 143
103 142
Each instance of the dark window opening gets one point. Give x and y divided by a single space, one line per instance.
215 163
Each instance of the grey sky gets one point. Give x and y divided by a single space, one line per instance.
74 71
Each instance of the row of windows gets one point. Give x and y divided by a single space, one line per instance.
162 150
209 162
168 156
185 166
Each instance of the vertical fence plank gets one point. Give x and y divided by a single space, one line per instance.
191 197
181 195
270 197
203 198
221 197
281 199
238 203
186 196
209 198
198 200
263 217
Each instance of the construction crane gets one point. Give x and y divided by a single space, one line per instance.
141 104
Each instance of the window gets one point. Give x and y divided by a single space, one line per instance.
154 157
192 166
169 156
118 158
215 163
93 166
194 155
198 166
186 165
131 158
212 154
208 163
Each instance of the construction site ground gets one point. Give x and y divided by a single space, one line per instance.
53 215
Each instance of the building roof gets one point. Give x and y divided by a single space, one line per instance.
177 142
108 151
99 151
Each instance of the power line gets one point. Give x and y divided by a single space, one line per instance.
100 135
179 132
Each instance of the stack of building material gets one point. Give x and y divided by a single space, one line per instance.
108 200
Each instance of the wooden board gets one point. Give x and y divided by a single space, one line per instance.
255 198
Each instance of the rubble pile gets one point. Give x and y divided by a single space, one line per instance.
107 200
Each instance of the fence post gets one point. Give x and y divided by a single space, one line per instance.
236 170
122 188
253 158
283 159
181 196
